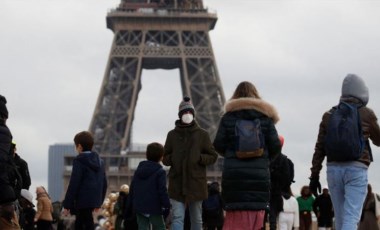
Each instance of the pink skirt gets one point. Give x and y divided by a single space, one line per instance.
244 220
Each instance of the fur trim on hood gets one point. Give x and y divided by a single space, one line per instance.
252 103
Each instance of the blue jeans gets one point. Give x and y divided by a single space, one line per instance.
178 211
348 189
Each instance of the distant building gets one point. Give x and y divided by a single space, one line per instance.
56 168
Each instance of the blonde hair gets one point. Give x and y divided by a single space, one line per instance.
41 190
245 89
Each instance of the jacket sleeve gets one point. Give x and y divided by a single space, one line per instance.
315 205
208 154
168 148
220 142
75 181
129 212
26 182
272 141
374 129
319 151
162 190
105 185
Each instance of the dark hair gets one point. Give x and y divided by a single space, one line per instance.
303 191
154 152
245 89
85 139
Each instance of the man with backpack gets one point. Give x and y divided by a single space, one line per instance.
343 138
282 176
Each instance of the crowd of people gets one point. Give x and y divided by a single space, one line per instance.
255 188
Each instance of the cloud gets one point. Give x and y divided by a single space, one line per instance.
54 54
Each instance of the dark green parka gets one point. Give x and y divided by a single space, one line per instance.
246 183
188 150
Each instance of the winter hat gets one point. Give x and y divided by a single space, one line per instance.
185 106
27 195
354 86
281 139
3 107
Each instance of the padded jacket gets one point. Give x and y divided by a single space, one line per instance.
246 182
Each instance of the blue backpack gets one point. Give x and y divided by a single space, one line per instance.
344 139
249 139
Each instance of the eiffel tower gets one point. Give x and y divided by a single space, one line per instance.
154 34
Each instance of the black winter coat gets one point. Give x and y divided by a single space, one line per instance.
246 183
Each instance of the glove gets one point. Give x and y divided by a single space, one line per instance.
315 186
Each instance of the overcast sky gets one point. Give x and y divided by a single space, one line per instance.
53 55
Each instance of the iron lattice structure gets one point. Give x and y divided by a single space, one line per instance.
152 35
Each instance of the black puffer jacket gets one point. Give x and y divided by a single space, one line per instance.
246 183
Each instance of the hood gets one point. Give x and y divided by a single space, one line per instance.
146 169
247 103
354 86
90 159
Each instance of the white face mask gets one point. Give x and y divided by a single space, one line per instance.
187 118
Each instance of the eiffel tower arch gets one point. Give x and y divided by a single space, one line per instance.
149 34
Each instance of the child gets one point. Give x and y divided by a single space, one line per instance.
148 193
88 184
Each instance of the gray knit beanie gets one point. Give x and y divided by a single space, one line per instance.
354 86
185 106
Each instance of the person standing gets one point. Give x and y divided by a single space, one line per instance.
371 212
288 218
246 182
43 216
305 205
88 183
151 207
281 177
188 152
22 167
120 207
27 211
213 214
324 210
8 174
347 180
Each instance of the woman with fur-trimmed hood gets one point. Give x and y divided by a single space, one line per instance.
246 182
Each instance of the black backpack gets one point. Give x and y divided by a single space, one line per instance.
249 139
344 140
282 173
